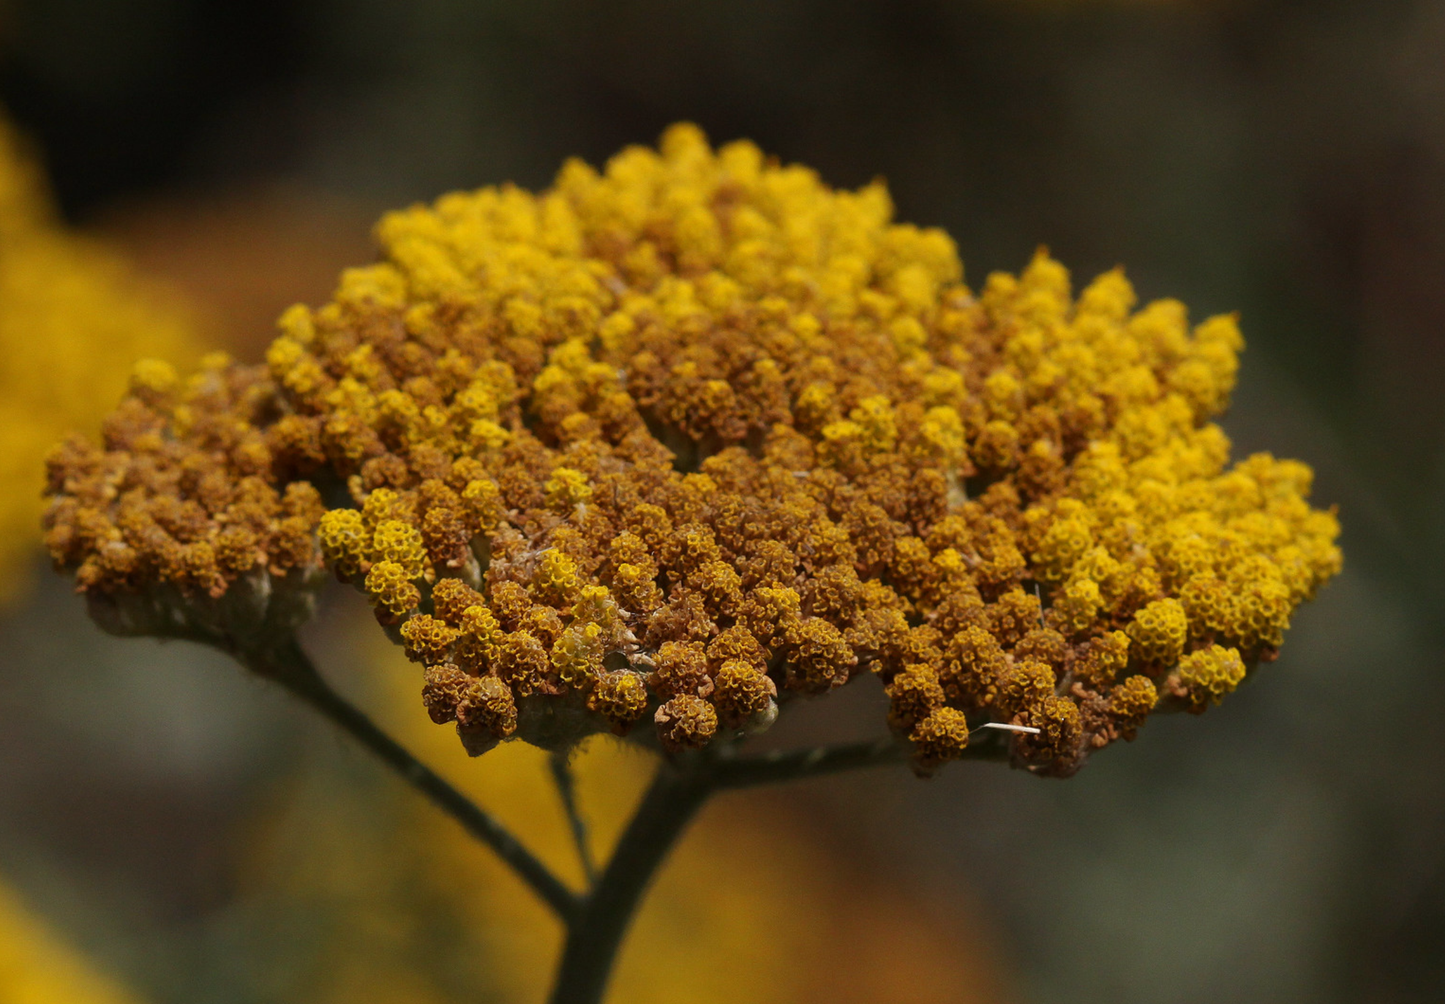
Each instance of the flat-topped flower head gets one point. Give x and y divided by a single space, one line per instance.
672 443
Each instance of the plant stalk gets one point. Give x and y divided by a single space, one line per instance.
777 766
680 788
289 666
595 933
597 921
567 791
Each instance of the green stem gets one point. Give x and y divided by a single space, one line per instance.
597 922
567 789
680 788
792 765
292 668
595 934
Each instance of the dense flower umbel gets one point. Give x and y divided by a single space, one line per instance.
697 433
182 523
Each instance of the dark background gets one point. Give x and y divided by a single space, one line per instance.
1286 159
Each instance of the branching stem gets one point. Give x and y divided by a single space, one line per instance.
598 920
778 766
790 765
595 935
292 668
680 788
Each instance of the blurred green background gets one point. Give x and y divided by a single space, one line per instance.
1280 157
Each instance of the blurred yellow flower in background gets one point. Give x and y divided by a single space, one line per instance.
36 967
73 317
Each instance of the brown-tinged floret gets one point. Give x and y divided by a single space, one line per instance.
451 598
973 666
881 626
835 594
442 690
543 623
939 738
997 447
1044 645
1058 743
699 413
1013 615
480 640
510 604
1023 685
919 644
522 662
819 657
719 586
636 588
684 617
428 640
238 550
1130 703
768 563
620 697
685 722
1102 659
736 644
680 667
487 703
958 610
741 692
913 695
446 535
771 613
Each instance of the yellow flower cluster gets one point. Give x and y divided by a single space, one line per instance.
185 521
697 433
72 318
